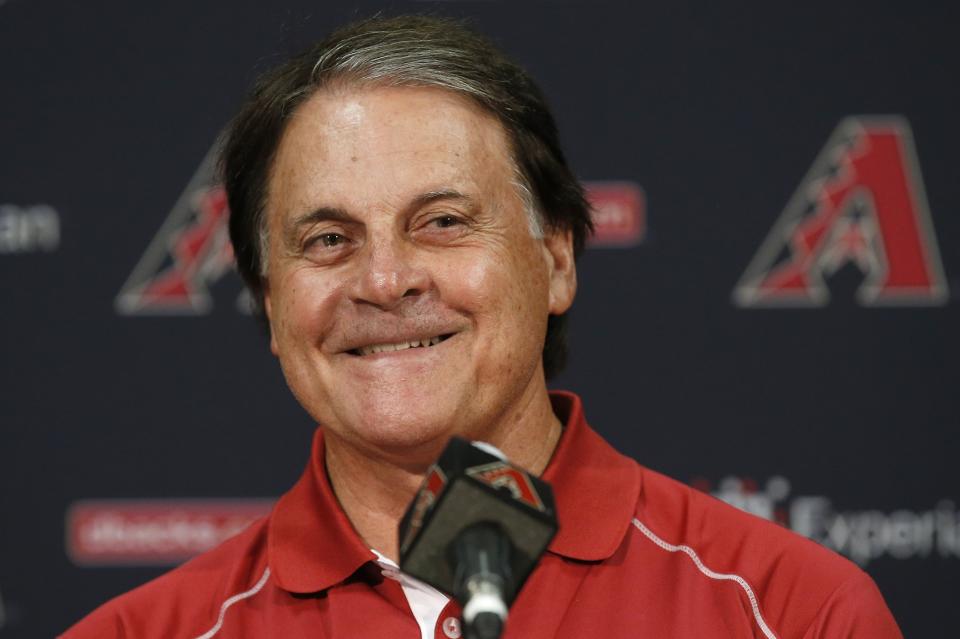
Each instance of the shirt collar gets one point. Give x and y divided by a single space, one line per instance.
312 545
596 489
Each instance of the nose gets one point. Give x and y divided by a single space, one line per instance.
388 272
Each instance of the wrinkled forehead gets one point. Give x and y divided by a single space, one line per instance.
377 147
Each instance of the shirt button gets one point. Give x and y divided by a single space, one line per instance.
451 627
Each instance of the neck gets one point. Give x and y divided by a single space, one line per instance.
375 491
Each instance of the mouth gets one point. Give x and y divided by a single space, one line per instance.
373 349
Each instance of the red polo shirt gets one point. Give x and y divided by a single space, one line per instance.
637 555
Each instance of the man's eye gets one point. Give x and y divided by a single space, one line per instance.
329 240
445 221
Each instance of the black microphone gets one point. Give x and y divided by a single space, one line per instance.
475 530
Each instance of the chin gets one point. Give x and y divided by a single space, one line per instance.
412 423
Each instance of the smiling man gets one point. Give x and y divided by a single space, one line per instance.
407 223
408 289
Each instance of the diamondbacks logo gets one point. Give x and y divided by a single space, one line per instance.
190 253
501 475
863 203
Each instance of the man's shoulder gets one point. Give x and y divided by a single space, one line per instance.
795 582
730 536
185 601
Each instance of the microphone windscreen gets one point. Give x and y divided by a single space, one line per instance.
468 485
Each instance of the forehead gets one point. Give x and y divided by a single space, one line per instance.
374 146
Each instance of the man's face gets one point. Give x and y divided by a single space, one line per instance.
394 221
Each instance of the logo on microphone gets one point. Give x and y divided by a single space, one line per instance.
432 487
862 203
501 475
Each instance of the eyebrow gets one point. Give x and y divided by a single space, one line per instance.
433 196
336 214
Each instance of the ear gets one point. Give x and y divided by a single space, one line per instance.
268 309
558 250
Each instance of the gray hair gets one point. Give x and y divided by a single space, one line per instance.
386 58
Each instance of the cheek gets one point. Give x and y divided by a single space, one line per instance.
480 281
305 308
475 283
498 289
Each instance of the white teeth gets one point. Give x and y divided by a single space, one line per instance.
380 348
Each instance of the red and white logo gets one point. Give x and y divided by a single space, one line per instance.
502 475
618 212
862 203
154 531
190 252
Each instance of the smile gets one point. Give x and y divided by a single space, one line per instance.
399 346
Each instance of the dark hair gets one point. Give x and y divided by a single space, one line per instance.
403 51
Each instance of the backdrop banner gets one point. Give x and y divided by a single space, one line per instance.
769 310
